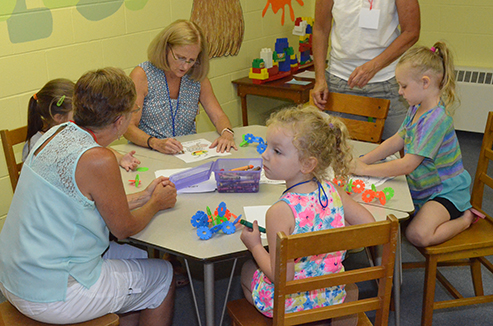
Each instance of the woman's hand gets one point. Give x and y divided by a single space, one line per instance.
167 146
362 74
251 237
224 143
320 93
150 188
129 162
163 193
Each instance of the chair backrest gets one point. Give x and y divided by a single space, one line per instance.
369 130
485 156
9 139
315 243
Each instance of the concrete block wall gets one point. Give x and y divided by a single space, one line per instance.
68 39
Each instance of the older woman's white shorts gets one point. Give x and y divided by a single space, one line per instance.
124 286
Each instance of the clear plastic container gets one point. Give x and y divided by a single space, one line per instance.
230 180
192 176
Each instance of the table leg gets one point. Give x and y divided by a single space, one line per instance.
244 111
209 293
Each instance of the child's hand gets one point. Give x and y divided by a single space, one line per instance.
129 162
358 167
251 237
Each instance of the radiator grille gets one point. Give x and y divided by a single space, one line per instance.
474 77
475 90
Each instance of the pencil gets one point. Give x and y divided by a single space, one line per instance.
243 168
250 225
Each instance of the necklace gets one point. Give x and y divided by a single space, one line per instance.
299 183
88 130
322 198
173 115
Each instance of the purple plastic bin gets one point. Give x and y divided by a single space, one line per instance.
237 181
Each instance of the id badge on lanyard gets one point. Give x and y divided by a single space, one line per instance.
369 17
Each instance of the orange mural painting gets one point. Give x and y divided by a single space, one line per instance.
278 4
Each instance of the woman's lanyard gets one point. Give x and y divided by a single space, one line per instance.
173 116
323 200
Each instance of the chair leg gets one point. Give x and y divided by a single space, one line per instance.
477 279
429 291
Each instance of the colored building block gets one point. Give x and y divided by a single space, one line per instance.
266 54
258 63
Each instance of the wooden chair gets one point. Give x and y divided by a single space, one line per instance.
467 248
369 130
314 243
10 316
9 139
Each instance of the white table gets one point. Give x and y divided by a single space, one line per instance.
171 231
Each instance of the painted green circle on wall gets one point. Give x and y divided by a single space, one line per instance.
135 4
54 4
6 9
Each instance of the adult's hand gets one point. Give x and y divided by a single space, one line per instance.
160 180
166 145
164 195
224 143
320 93
362 75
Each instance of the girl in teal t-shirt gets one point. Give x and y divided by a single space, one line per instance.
432 162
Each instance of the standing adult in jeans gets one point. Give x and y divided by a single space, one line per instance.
365 41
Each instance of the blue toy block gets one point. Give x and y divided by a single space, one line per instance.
281 44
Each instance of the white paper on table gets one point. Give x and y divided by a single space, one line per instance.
257 213
306 74
298 82
265 180
198 150
205 186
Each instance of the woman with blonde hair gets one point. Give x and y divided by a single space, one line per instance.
170 85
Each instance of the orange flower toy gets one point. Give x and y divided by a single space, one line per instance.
383 196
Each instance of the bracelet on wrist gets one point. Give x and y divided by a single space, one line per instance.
231 131
149 142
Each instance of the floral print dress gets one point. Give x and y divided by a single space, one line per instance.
309 216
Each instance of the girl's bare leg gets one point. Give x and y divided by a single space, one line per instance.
247 271
432 225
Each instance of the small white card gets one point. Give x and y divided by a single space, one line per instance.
369 18
306 74
298 82
257 213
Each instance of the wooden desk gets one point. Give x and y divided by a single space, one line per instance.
299 94
171 231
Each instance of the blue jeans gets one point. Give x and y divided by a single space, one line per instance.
388 89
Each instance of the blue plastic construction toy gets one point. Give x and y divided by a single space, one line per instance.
250 138
220 221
